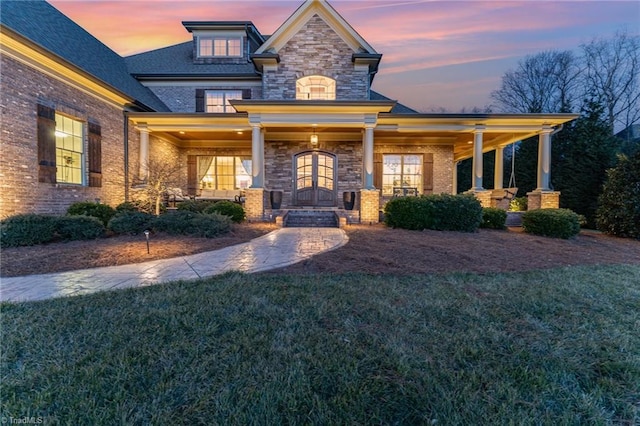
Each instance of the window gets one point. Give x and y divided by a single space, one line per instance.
316 87
69 150
218 100
219 46
401 171
224 172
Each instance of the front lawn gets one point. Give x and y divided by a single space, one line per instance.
548 347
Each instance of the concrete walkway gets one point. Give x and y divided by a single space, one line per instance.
279 248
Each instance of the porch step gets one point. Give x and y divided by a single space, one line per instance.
310 218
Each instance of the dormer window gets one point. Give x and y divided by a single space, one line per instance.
209 47
316 87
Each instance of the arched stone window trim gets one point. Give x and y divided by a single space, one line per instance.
316 87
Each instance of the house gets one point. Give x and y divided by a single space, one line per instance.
291 114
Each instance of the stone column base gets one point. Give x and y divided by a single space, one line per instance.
483 196
543 200
254 204
369 206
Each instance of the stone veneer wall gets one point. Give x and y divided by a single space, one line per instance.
279 166
21 89
183 98
316 50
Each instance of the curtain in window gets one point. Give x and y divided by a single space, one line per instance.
246 165
204 162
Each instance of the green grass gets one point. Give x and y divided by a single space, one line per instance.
545 347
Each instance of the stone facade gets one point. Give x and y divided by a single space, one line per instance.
316 50
369 206
543 200
22 88
183 98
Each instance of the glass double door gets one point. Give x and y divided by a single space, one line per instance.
315 179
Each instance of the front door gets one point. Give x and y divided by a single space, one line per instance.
315 179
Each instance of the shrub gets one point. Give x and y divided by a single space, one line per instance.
79 227
190 223
130 222
227 208
210 225
619 204
440 212
27 230
197 206
556 223
493 218
89 208
127 206
519 204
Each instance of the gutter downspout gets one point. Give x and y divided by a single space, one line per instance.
125 115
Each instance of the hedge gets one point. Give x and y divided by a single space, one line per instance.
493 218
442 212
556 223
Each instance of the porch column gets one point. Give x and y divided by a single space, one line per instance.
498 173
143 166
368 155
454 174
477 159
544 159
257 156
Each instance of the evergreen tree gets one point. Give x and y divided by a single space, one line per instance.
619 204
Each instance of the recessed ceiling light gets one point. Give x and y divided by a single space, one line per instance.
181 132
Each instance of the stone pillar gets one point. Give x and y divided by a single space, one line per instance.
257 156
544 159
143 166
369 206
484 197
476 183
254 204
543 200
367 143
498 173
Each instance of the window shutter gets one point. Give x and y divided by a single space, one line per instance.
192 175
199 100
246 93
95 155
427 174
46 144
377 171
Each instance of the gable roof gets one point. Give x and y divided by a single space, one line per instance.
398 108
46 27
301 16
177 60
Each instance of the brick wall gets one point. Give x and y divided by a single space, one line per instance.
21 89
316 50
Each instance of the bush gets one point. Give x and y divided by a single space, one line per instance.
493 218
227 208
79 228
440 212
197 206
89 208
519 204
130 222
27 230
127 206
556 223
190 223
211 225
619 204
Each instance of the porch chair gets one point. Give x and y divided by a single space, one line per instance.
505 201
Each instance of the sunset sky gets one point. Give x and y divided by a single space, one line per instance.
447 54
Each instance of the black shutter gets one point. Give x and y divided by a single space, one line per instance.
46 144
427 174
192 175
199 100
95 155
377 171
246 93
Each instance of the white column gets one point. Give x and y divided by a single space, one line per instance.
498 172
476 183
257 156
544 159
454 182
143 166
368 156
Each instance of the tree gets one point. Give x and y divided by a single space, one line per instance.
162 175
619 204
612 74
545 82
